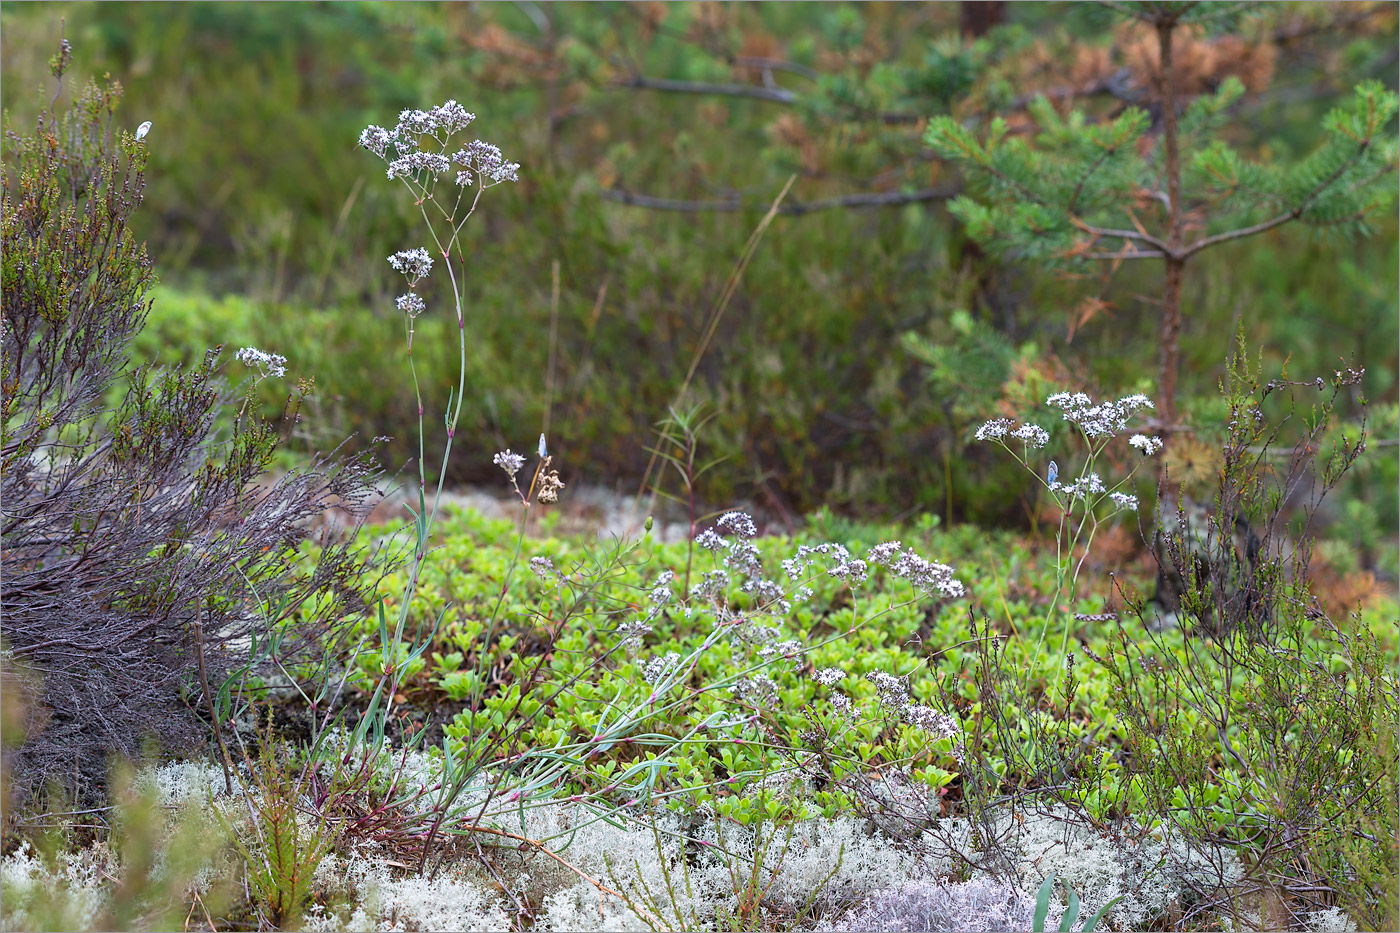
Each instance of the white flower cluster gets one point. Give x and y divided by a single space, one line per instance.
410 304
634 631
1084 486
543 567
927 575
418 163
828 676
661 589
1124 501
840 562
1098 420
414 263
796 566
882 554
1148 445
758 690
789 650
510 462
1033 435
743 558
710 540
853 570
892 693
712 584
400 147
929 720
487 162
842 706
659 668
769 592
269 364
660 594
737 523
447 118
995 429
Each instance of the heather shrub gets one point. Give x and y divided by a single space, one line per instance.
1266 726
138 544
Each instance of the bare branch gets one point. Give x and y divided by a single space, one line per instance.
776 64
796 208
1135 236
775 95
1135 254
770 92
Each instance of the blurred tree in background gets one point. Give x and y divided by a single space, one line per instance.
652 138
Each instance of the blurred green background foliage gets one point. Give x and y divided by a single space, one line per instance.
867 339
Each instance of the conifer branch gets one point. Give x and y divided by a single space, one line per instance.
1283 218
1084 179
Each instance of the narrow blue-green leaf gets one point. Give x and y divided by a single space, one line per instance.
1071 912
1098 915
1042 904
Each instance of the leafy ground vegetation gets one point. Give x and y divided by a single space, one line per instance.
1159 703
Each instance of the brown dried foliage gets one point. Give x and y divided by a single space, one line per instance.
1201 63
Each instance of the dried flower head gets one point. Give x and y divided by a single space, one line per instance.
549 487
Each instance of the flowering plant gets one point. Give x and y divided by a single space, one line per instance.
1085 502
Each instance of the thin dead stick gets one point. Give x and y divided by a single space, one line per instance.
730 287
208 696
541 847
200 901
553 344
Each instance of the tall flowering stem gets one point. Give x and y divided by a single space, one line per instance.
419 152
1085 501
